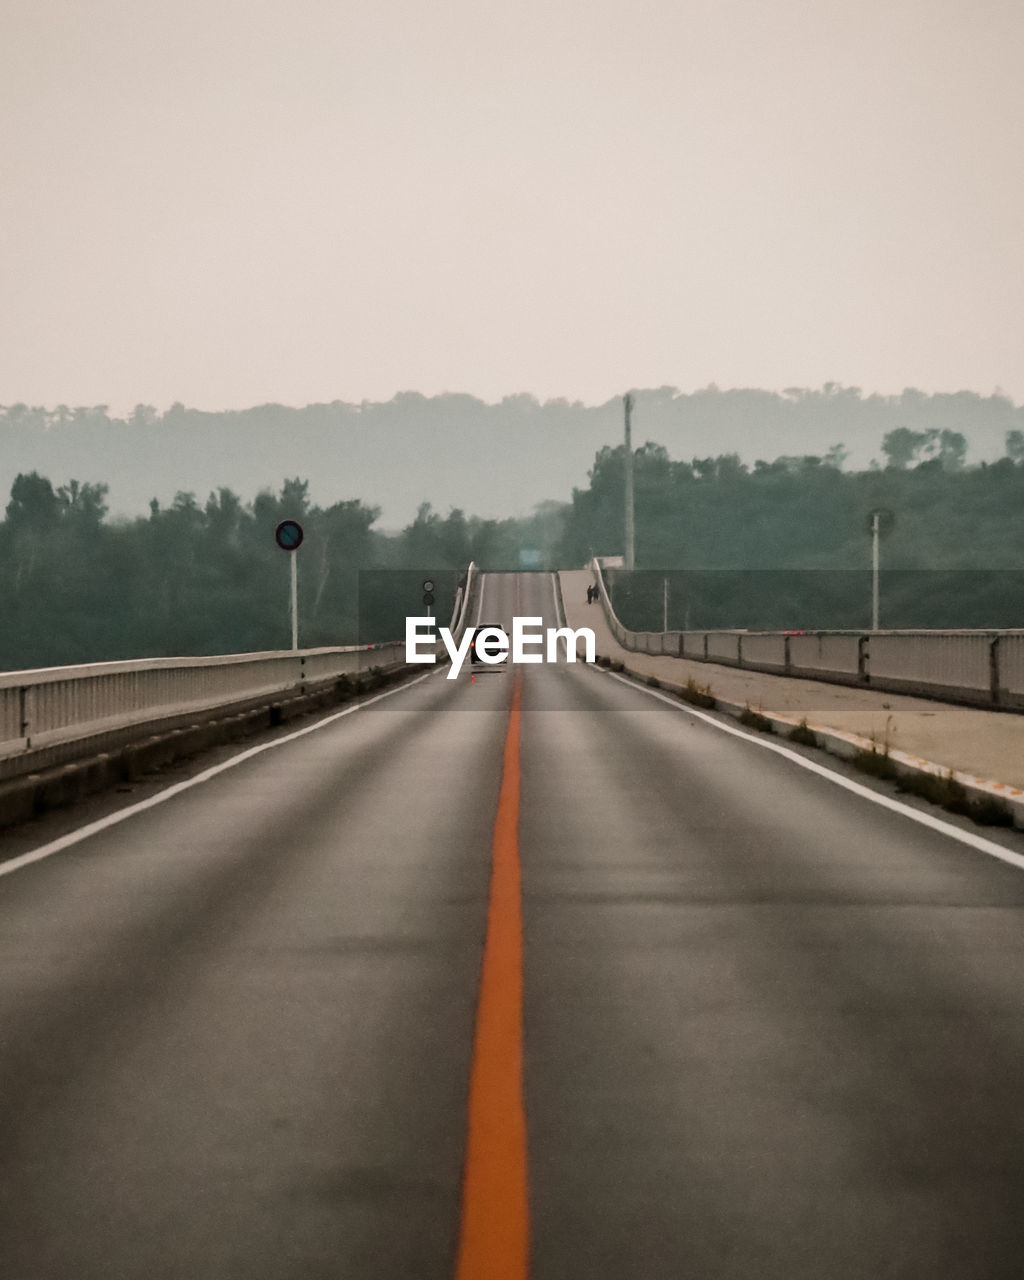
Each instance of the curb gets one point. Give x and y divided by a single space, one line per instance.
847 746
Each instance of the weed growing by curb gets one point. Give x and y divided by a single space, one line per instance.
802 735
698 695
755 720
940 789
876 763
990 812
653 682
944 790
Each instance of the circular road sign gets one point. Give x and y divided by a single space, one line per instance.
428 584
288 535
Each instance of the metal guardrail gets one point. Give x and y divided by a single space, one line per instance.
59 704
463 597
980 668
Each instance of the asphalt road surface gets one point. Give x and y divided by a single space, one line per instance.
767 1029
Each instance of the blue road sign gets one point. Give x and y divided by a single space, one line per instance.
288 535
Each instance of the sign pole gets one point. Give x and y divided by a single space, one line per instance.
288 536
295 601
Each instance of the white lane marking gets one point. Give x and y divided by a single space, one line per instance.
111 820
925 819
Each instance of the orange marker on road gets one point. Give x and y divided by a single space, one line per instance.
494 1231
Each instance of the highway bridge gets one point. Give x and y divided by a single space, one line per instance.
533 973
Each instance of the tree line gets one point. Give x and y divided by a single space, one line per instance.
954 555
352 448
207 577
204 577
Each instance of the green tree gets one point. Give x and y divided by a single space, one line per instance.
902 446
34 505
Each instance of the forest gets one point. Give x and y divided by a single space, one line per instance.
784 544
787 544
207 577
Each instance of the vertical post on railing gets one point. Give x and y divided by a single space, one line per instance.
864 659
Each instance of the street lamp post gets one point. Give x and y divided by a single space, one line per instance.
880 523
628 460
874 570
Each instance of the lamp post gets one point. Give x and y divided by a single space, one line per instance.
628 459
880 523
874 570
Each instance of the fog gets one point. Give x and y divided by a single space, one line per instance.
491 460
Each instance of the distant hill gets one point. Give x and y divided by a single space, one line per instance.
493 460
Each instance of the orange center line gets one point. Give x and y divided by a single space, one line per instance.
495 1226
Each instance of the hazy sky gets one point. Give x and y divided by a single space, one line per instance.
228 202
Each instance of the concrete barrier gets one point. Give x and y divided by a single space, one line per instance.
722 646
825 653
767 651
944 660
977 668
1010 667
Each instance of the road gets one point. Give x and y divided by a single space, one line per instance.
768 1028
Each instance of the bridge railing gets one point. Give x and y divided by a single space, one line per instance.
981 668
464 596
51 706
56 704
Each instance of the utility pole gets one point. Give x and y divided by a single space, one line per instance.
880 523
630 530
875 516
664 604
